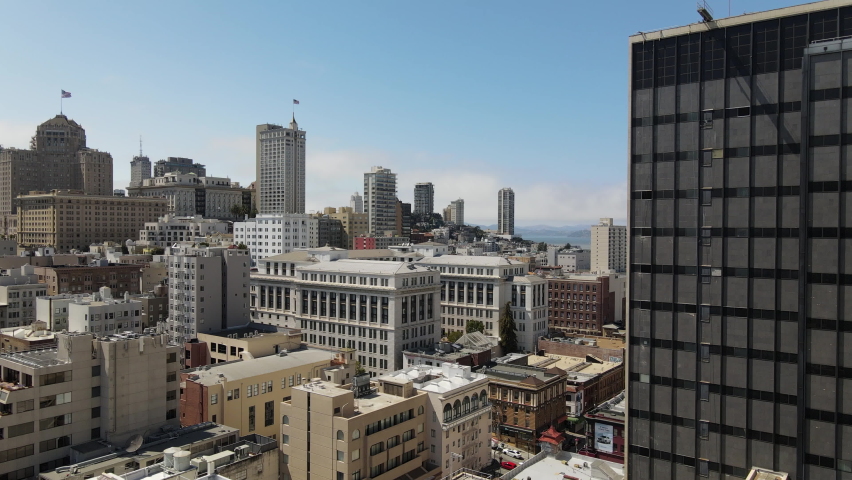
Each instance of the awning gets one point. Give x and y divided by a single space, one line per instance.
578 435
516 429
572 419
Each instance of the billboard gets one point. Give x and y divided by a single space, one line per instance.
603 437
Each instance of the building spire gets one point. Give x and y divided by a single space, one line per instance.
293 124
140 145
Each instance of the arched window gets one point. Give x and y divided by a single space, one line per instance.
448 412
356 434
420 410
466 405
483 398
341 435
285 420
456 409
474 402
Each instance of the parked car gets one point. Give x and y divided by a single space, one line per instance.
513 453
508 465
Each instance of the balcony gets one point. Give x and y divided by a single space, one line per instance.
483 408
11 393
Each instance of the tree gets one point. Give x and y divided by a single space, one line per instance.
242 246
508 335
474 326
237 210
454 336
359 370
567 246
542 247
158 251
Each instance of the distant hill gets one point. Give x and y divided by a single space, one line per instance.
547 230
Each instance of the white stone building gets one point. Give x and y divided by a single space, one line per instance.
478 288
103 315
19 289
458 413
208 290
280 168
170 229
380 200
609 247
274 234
575 260
379 308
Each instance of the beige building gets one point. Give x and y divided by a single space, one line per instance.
109 388
190 195
609 247
330 433
245 342
247 394
354 224
71 219
58 158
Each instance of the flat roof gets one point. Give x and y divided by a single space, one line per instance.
366 404
435 379
570 464
47 357
239 369
479 261
366 266
519 373
736 20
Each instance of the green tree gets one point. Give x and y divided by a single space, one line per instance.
474 326
158 251
542 247
453 336
242 246
359 370
567 246
237 210
508 335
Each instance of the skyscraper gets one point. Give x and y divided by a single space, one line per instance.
739 292
609 247
454 213
506 211
380 200
280 160
59 159
424 198
356 201
140 169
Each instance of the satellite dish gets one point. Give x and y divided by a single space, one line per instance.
134 443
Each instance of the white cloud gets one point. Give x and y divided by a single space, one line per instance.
333 174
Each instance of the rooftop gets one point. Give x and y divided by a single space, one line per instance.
240 369
523 374
569 465
366 266
736 20
588 365
443 379
612 409
369 403
249 331
469 260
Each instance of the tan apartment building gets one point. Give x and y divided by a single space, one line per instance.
329 432
86 388
247 394
58 158
246 342
354 224
71 219
90 278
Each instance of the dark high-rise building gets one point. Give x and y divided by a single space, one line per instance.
177 164
424 198
740 289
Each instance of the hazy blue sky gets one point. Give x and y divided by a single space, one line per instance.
470 95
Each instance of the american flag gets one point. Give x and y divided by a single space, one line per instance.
66 94
295 102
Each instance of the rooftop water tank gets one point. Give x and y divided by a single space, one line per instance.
168 457
182 460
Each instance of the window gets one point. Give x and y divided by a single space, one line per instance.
251 425
268 413
341 435
794 32
285 439
96 433
739 50
665 63
170 414
643 62
713 47
96 370
341 456
705 352
765 49
688 56
704 391
96 392
96 412
356 454
214 399
285 420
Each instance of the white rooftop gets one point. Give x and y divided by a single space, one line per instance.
566 464
469 260
446 378
365 266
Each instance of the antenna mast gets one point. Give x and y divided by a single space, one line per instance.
140 145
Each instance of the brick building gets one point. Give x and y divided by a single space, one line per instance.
585 303
609 349
526 402
88 279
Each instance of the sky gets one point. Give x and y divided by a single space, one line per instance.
472 96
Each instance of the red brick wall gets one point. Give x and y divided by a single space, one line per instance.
199 354
364 243
193 404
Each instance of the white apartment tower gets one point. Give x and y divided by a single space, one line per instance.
506 211
380 200
356 202
208 290
609 247
140 170
274 234
281 168
424 198
456 212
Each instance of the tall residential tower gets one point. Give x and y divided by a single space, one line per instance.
739 292
380 200
280 168
506 211
424 198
